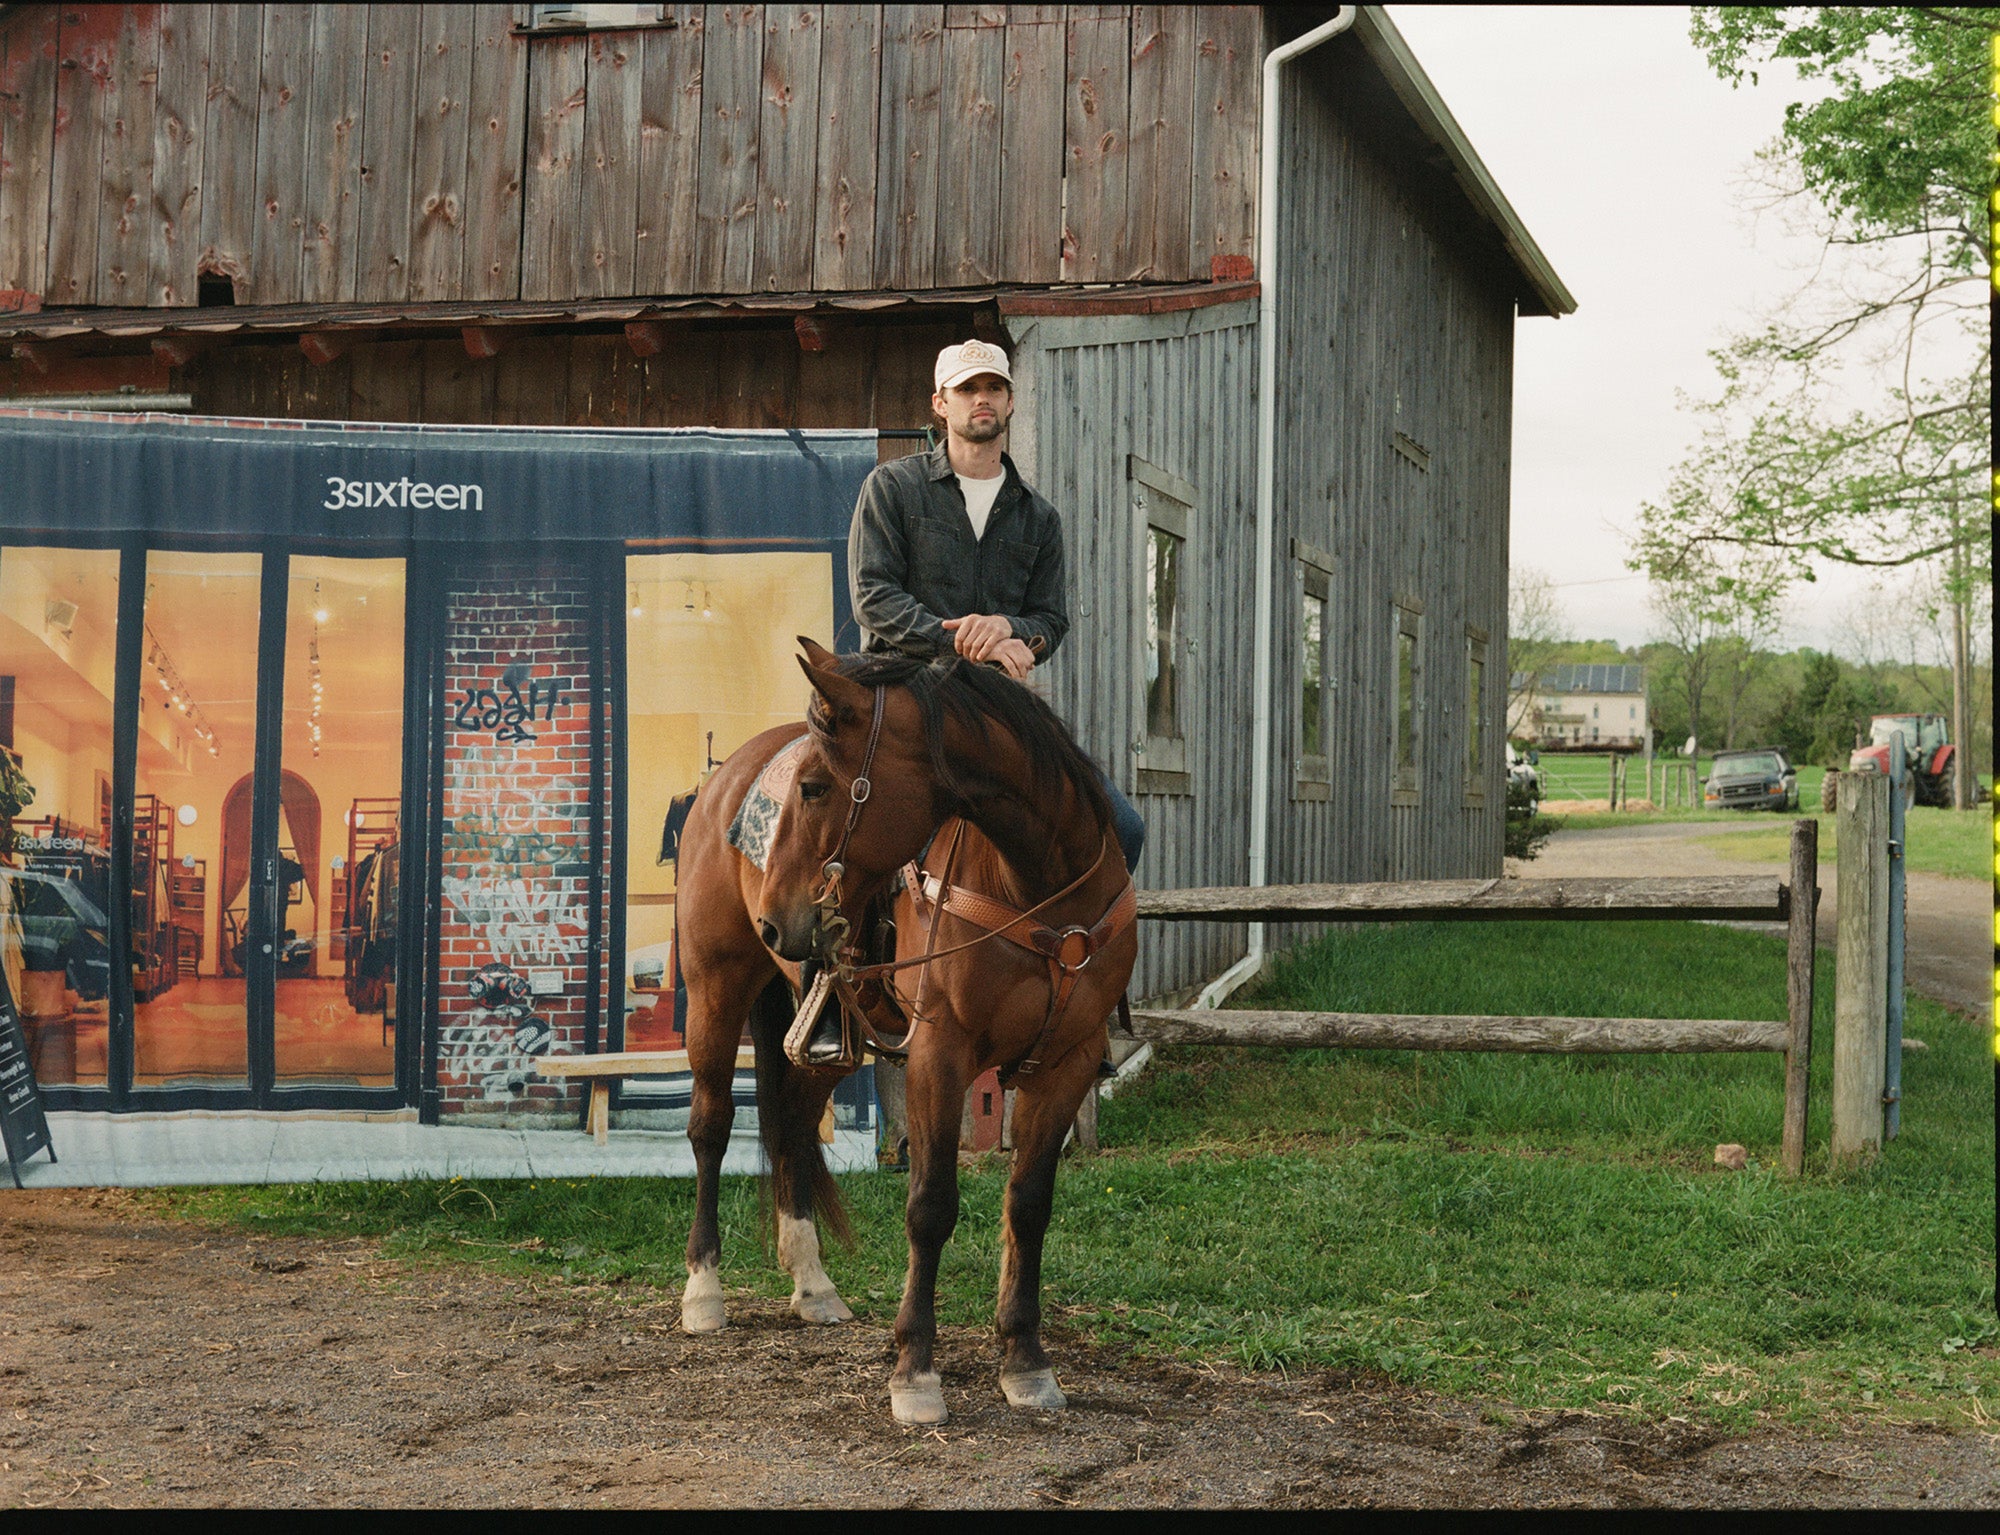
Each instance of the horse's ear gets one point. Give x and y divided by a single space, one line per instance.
845 700
816 653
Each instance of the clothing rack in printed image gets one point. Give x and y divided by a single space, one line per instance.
367 905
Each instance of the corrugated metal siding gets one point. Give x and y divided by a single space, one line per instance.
1092 394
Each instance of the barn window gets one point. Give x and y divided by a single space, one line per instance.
1312 781
1407 723
1163 515
1475 739
595 18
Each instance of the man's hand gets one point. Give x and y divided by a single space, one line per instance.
978 636
1016 658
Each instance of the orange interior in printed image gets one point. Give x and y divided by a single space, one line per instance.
703 676
330 884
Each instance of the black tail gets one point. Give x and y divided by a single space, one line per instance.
781 1122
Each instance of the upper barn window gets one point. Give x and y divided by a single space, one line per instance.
595 18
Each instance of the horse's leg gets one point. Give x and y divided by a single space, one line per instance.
1045 1106
717 1002
934 1095
790 1103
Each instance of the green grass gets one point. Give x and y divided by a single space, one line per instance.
1546 1230
1953 842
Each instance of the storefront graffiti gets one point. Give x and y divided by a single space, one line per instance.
495 1050
504 711
503 827
517 922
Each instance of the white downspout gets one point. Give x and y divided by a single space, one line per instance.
1268 147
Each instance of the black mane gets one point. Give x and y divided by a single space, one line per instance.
978 697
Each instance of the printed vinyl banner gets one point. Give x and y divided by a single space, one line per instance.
474 484
378 784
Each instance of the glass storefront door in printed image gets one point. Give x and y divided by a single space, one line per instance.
58 632
191 820
710 647
339 823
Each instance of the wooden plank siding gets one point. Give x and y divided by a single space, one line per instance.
871 375
669 143
86 42
1387 324
328 238
446 47
1094 393
787 149
29 65
607 189
124 233
334 153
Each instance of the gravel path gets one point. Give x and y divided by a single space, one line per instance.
1950 957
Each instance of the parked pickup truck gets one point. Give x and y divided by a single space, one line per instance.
1759 778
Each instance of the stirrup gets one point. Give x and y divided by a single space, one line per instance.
819 1037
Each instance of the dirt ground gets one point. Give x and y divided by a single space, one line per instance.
153 1363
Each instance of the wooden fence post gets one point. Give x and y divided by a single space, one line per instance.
1861 967
1086 1119
1800 936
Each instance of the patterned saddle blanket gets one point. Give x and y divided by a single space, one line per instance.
757 817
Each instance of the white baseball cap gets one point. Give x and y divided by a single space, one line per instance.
956 364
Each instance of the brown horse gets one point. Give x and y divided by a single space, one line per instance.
895 748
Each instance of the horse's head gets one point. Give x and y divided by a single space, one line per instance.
866 798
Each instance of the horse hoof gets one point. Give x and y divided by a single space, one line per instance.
701 1302
823 1309
918 1400
1036 1389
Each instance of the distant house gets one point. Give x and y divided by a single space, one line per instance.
1581 708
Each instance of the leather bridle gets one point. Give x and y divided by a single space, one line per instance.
832 925
1067 951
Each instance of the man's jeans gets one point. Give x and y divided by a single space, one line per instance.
1125 821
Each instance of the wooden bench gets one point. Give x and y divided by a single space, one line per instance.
600 1071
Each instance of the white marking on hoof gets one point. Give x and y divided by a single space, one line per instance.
814 1298
701 1301
1036 1389
824 1310
919 1400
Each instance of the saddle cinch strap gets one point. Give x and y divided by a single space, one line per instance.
1068 950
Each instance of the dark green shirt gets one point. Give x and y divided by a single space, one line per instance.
912 560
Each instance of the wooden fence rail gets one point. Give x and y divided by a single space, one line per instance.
1408 1031
1735 898
1751 898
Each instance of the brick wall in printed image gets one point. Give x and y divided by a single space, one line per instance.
515 866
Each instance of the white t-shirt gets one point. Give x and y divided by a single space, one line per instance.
979 498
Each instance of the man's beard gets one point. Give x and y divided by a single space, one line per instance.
982 431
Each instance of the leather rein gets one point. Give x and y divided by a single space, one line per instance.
1067 951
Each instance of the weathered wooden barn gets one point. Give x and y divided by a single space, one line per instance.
755 217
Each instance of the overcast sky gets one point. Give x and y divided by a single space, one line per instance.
1625 156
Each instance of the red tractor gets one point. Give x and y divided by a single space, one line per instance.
1927 755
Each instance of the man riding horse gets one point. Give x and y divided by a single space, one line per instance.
951 550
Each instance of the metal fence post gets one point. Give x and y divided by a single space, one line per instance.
1801 934
1860 977
1892 1064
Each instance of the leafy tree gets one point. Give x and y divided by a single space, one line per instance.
1851 425
1535 626
1817 719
